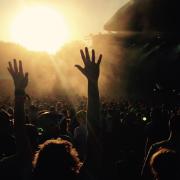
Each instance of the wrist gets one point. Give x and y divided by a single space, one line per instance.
20 92
93 82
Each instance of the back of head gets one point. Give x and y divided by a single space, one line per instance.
50 123
165 164
56 159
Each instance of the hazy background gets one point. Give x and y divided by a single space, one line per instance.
56 73
84 17
139 65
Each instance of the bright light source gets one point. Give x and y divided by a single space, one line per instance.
40 29
144 119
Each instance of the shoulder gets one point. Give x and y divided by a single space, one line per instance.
160 144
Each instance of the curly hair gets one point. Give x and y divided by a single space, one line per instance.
165 164
56 158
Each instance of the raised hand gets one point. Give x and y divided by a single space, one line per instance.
19 77
23 146
91 71
91 68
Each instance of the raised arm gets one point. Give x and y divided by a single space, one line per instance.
91 71
23 153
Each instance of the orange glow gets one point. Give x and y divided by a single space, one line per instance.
40 28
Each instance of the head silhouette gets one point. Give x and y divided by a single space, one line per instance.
56 159
165 164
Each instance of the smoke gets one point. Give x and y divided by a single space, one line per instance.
139 48
53 75
133 58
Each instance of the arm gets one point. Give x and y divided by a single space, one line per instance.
22 143
91 72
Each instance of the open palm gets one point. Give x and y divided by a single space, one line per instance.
19 77
91 67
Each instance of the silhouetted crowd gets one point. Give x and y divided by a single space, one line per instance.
86 138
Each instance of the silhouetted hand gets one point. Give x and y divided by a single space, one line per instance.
91 68
20 79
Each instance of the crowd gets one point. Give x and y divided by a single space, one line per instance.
55 138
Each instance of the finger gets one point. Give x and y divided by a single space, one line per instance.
87 54
83 56
99 60
15 66
26 77
10 67
80 68
20 67
10 72
93 56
